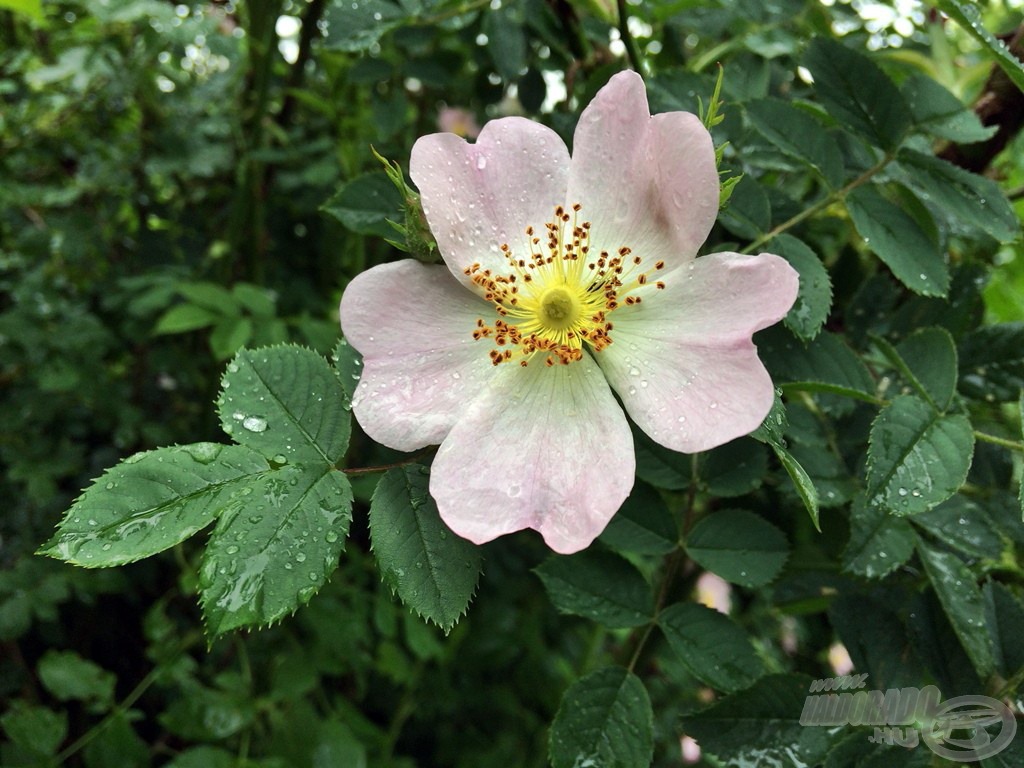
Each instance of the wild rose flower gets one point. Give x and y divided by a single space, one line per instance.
566 280
459 121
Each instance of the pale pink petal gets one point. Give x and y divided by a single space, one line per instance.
683 361
542 448
648 183
479 196
422 368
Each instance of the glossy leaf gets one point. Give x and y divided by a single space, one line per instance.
857 92
992 363
274 546
711 646
800 136
825 364
605 721
916 457
962 602
760 726
814 299
287 403
599 585
968 15
939 112
899 241
365 204
739 546
432 570
879 542
152 501
643 524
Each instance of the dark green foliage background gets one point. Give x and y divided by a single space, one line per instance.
173 188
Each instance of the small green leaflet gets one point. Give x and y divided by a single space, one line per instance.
604 721
432 570
962 602
857 93
825 364
927 361
917 458
799 136
968 15
879 542
152 501
741 547
365 204
274 546
287 403
598 585
814 298
711 646
992 363
898 240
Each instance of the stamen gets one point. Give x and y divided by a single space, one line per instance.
554 301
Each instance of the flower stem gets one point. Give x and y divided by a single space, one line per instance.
632 51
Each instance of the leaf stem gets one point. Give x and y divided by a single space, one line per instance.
385 467
121 707
821 205
1011 445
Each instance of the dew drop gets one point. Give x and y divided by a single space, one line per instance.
255 423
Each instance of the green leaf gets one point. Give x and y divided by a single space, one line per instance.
259 301
733 469
939 112
805 487
739 546
748 213
660 466
962 525
184 318
857 92
432 570
992 363
899 241
773 428
927 361
117 744
879 542
965 198
604 721
287 403
152 501
711 646
917 458
1005 618
349 364
761 726
506 41
855 750
274 546
825 364
968 15
643 524
69 677
962 602
930 355
38 730
211 296
814 298
31 8
356 27
799 136
366 203
878 646
229 336
600 586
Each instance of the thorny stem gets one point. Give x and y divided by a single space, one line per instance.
822 204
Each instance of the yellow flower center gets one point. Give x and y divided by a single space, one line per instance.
560 296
